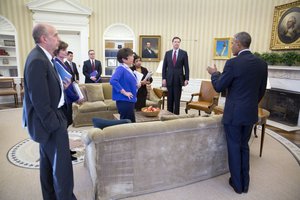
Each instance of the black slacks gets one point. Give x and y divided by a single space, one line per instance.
174 95
126 110
56 170
238 154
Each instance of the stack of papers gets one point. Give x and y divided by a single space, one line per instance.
78 91
139 76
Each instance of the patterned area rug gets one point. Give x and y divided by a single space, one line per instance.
294 149
26 153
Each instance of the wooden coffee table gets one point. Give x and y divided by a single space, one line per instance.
139 117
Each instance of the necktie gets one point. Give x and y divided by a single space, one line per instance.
53 63
93 65
174 58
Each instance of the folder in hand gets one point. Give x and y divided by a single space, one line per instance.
63 73
95 73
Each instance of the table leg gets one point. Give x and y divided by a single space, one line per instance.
262 139
163 103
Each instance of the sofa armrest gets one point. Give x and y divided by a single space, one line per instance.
91 135
75 106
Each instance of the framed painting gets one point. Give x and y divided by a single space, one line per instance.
149 48
286 27
222 48
111 62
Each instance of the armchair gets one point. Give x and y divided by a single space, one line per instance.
207 99
8 87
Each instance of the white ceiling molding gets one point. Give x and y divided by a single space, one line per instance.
6 26
66 16
59 12
59 6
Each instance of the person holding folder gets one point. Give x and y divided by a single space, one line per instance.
92 69
142 92
65 74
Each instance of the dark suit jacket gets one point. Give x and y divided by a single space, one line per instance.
147 54
42 94
175 75
87 70
245 78
74 72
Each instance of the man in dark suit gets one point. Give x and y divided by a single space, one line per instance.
173 75
148 52
92 69
245 78
44 117
72 66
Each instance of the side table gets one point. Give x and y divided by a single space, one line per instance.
161 93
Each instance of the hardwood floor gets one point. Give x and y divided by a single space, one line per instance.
9 106
293 136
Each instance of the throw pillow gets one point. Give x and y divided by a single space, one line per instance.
83 91
171 117
102 123
94 92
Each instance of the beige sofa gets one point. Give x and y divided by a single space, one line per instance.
138 158
99 103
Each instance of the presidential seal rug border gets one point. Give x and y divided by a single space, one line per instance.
25 154
291 147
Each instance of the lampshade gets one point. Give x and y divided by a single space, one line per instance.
159 67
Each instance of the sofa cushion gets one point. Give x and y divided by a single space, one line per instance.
94 92
107 90
111 104
102 123
171 117
92 107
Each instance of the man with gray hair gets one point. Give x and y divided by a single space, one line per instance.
43 114
245 79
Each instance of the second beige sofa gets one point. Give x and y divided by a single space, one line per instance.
132 159
98 103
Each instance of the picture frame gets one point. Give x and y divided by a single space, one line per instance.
111 62
222 48
286 27
153 52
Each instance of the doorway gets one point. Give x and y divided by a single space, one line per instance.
72 38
